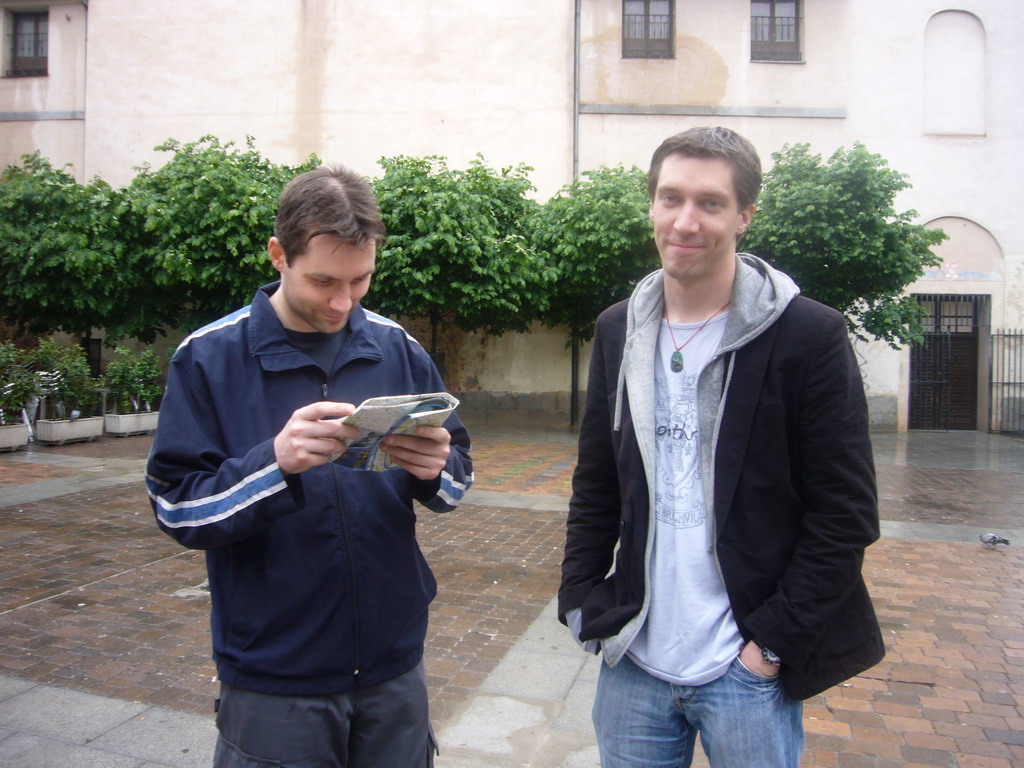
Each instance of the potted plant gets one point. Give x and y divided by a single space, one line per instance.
17 385
70 394
134 386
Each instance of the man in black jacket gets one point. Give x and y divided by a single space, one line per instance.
725 491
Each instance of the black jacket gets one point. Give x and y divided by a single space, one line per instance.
794 498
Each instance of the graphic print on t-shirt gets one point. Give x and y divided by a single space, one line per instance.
679 498
689 636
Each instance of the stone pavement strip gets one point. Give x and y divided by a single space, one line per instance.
104 647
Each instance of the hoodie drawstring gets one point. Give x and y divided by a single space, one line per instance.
620 388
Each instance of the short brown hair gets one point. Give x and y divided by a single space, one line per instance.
713 142
329 200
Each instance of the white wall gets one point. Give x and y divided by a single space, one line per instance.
347 80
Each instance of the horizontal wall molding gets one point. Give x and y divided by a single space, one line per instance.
828 113
18 117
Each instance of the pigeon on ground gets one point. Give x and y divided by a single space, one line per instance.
990 540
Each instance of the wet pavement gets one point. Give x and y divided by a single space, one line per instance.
104 640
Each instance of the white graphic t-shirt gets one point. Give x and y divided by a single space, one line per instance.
690 636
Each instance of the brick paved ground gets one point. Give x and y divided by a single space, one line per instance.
31 473
951 689
94 597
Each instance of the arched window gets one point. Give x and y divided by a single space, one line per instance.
954 75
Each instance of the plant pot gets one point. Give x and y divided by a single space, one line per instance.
13 436
62 431
124 424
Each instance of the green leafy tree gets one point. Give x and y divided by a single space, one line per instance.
456 250
203 221
63 264
832 226
597 235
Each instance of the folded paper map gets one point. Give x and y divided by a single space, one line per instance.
379 417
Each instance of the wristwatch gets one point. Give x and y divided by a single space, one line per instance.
767 655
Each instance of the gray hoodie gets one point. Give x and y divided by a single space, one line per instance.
760 294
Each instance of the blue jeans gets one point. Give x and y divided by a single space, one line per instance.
744 720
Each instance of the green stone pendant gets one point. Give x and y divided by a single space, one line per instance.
677 361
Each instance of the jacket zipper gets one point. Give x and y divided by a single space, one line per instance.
352 579
351 564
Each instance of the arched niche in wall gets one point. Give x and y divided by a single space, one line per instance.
971 253
954 75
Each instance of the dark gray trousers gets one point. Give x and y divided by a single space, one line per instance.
383 726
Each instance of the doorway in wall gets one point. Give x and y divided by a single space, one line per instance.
944 367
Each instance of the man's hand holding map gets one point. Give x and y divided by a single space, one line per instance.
379 417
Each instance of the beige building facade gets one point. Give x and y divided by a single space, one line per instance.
568 86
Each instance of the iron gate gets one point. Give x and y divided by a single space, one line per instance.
943 385
944 367
1006 399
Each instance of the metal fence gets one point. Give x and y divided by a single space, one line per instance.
1006 400
775 38
647 36
28 54
773 29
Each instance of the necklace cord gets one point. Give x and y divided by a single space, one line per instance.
679 347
